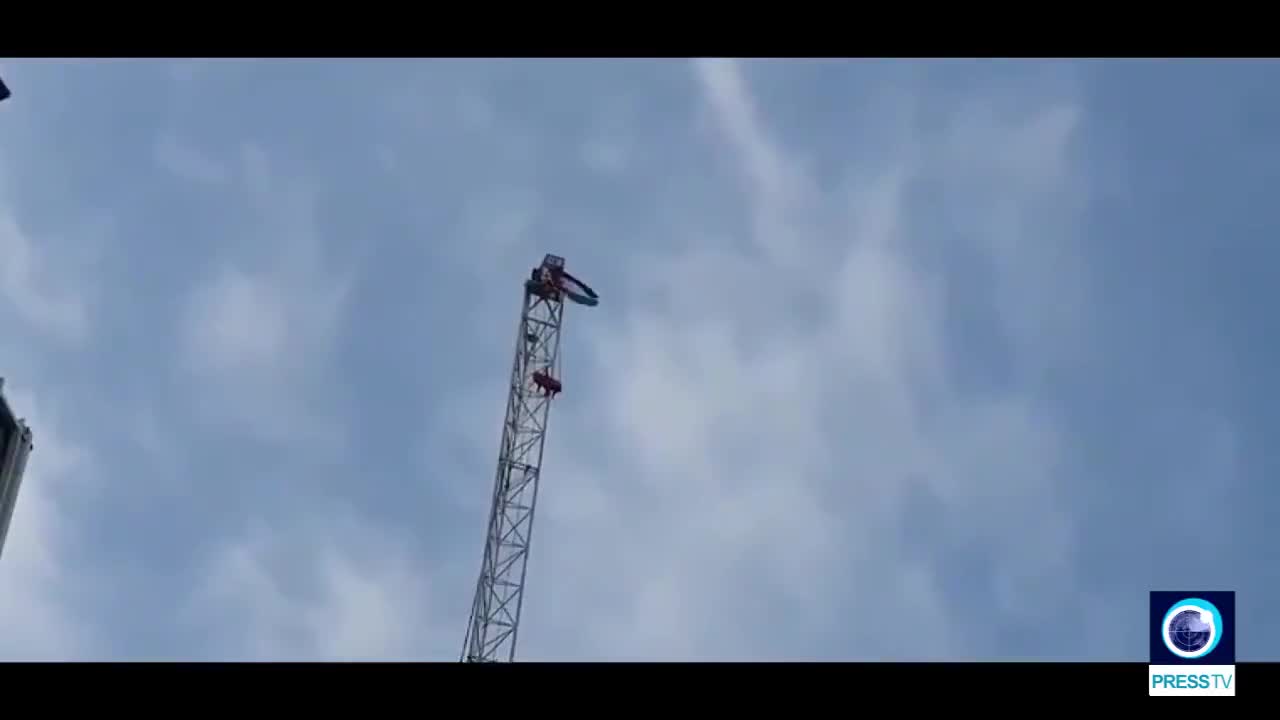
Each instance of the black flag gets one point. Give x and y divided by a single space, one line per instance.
4 90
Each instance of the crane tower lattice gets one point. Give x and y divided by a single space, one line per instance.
535 381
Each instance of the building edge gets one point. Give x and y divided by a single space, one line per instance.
17 440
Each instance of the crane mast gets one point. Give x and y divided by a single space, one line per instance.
535 381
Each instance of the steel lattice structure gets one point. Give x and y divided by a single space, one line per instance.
495 611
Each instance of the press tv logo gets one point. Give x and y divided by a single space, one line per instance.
1193 643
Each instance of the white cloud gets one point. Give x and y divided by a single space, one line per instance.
609 146
779 192
750 469
606 156
36 606
33 289
38 285
238 322
185 161
331 587
262 325
765 450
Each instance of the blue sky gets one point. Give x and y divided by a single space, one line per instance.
894 360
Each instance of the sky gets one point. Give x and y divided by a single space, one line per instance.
929 360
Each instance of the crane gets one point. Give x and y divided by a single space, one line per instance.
535 381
